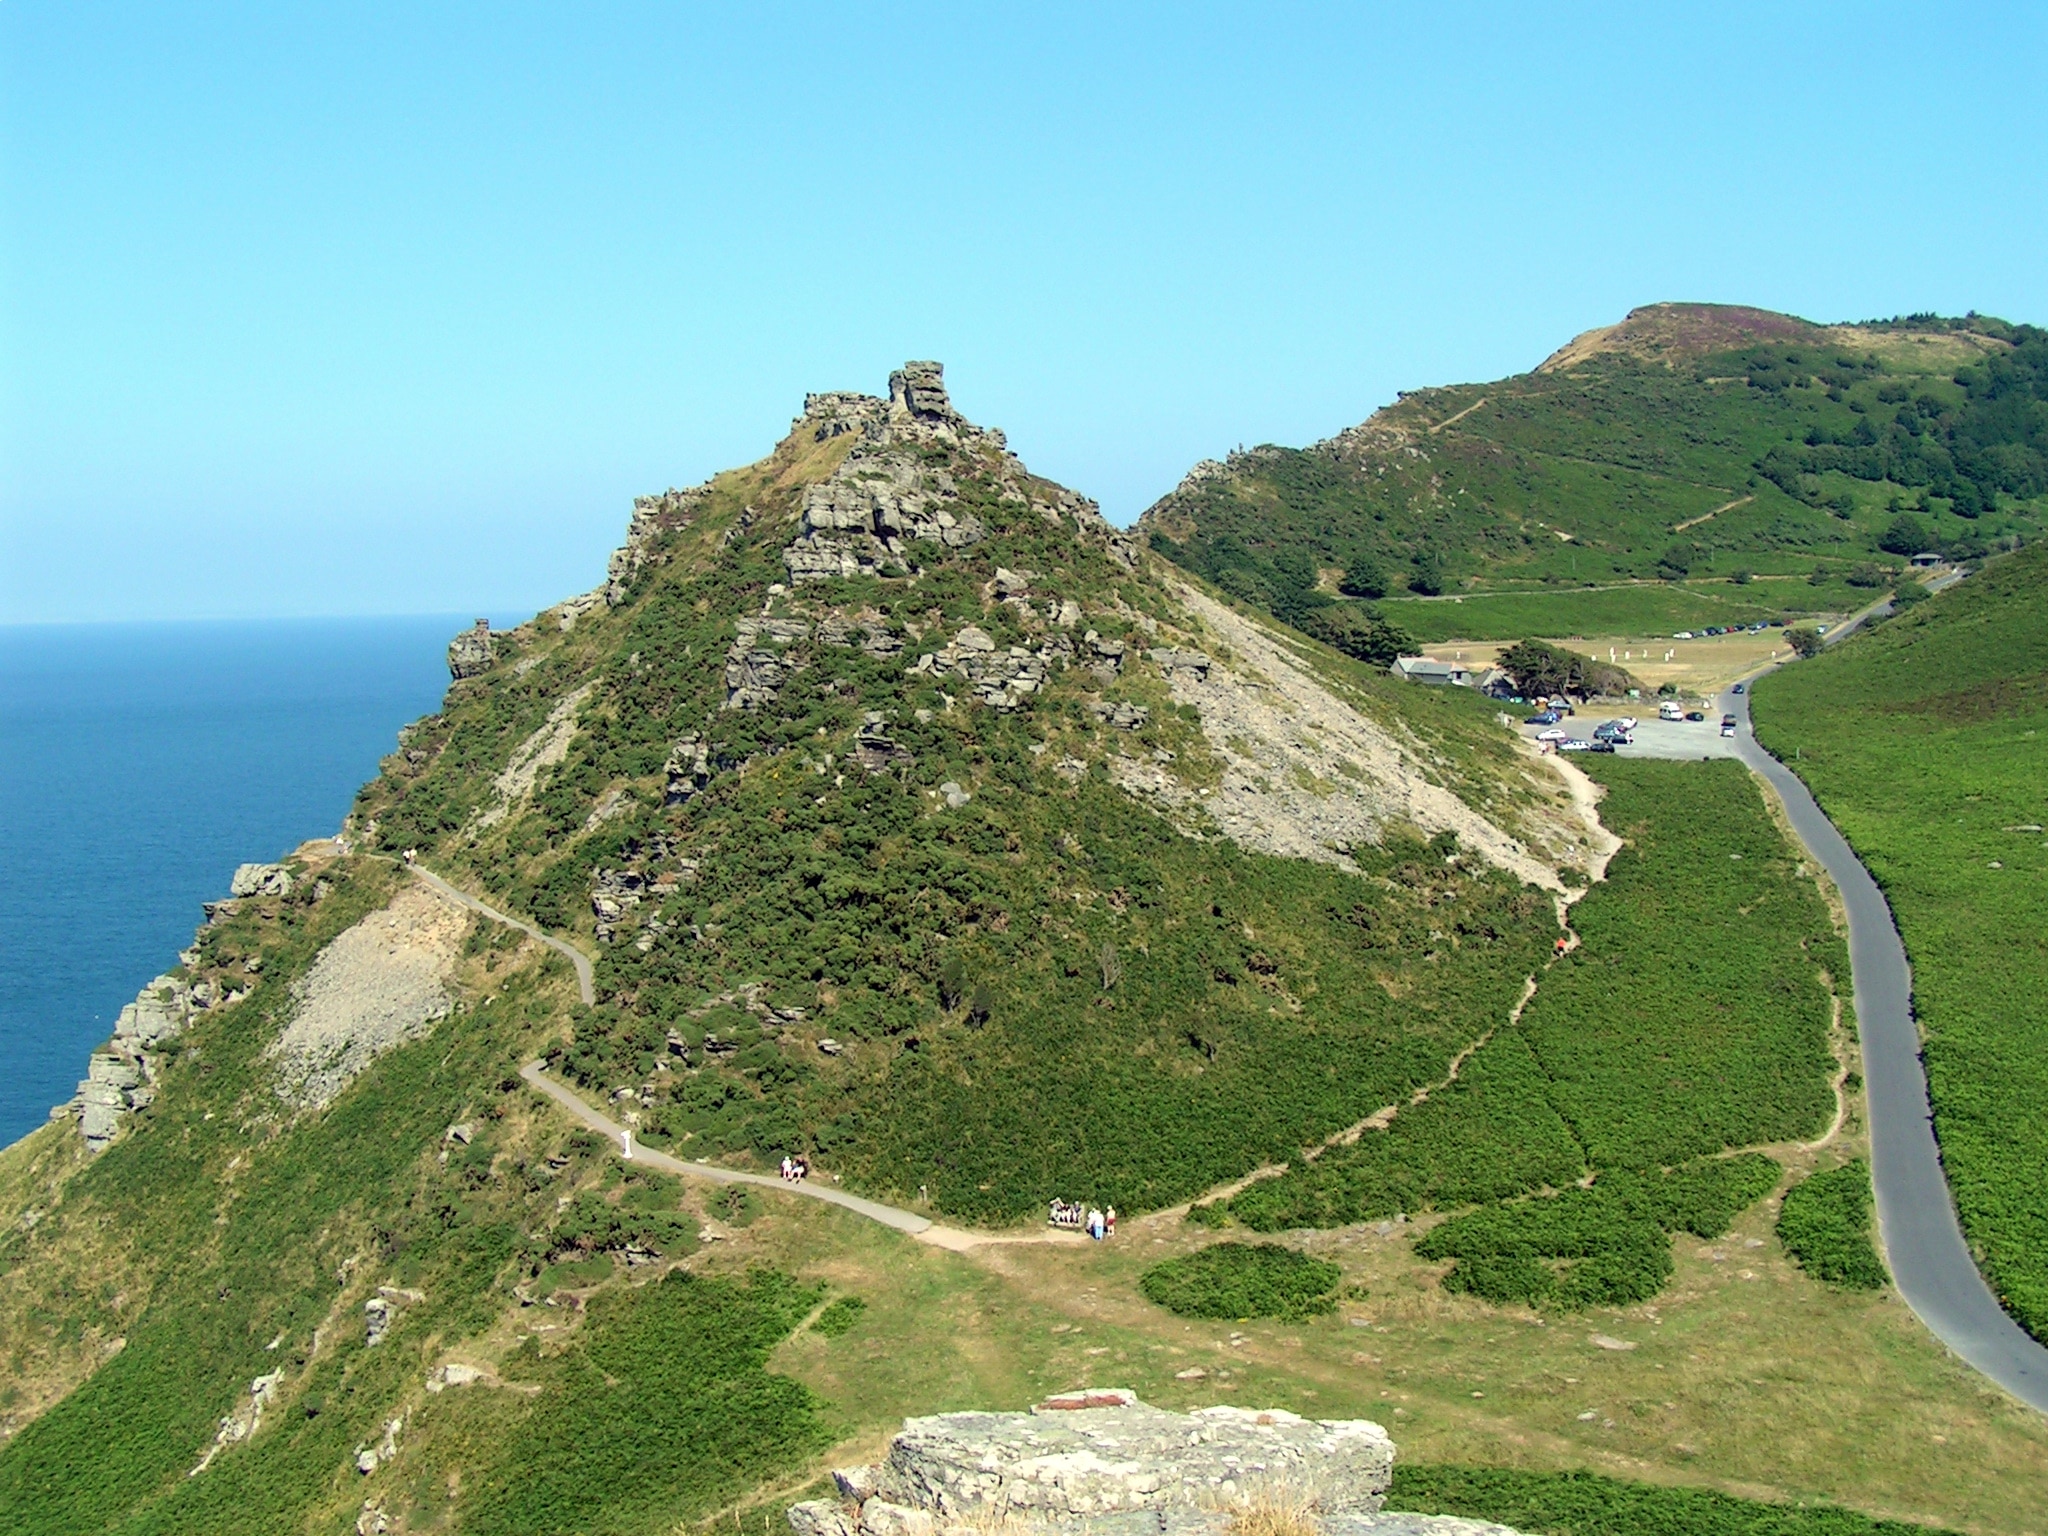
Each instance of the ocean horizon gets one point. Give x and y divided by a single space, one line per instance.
139 764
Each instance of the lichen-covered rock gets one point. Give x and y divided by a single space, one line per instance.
1100 1463
1069 1461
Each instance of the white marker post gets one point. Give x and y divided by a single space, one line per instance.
627 1133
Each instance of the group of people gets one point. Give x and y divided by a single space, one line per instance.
1072 1216
796 1169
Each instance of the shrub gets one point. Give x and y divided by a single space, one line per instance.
1586 1504
839 1318
1604 1246
1244 1280
1825 1226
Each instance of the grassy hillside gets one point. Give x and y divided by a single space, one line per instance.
1923 740
1692 445
1048 985
1692 1018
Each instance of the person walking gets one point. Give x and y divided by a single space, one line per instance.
1095 1224
1109 1220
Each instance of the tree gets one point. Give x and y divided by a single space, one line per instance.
1428 579
1358 632
1676 561
1364 578
1537 668
1906 536
1805 642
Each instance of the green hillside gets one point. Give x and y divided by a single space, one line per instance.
1695 447
1923 741
1691 1019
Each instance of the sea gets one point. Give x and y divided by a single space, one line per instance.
139 764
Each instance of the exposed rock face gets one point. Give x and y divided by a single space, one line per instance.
122 1076
652 517
1103 1463
377 985
755 668
261 880
470 653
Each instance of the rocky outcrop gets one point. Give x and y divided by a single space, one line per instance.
122 1075
1100 1462
1003 679
260 880
471 653
652 517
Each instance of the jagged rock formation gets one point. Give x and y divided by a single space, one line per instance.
471 653
1101 1462
122 1075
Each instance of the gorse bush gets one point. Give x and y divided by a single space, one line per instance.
1243 1280
1604 1246
1825 1225
1586 1504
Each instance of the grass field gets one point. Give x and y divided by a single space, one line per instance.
1646 609
1926 741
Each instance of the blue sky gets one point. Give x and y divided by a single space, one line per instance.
315 309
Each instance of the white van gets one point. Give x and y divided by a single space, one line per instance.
1669 710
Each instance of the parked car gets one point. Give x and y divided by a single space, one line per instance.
1683 634
1627 723
1612 730
1738 688
1575 744
1600 746
1553 733
1545 717
1669 711
1727 725
1696 715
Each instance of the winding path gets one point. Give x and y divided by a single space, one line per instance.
535 1072
1930 1261
586 983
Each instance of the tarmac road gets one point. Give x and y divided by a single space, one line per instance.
1930 1262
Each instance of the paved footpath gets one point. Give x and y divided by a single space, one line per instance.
586 983
1930 1262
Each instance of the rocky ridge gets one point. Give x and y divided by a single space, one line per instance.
1099 1461
121 1076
